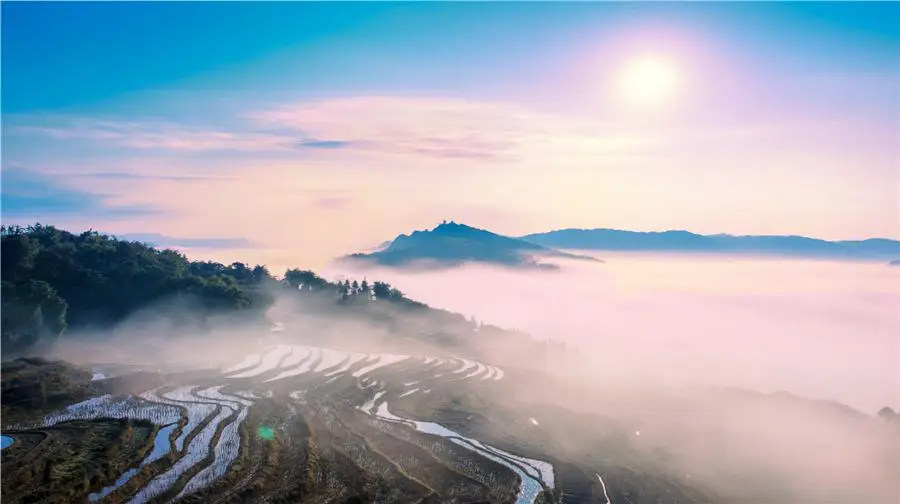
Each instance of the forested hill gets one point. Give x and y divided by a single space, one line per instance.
55 283
451 244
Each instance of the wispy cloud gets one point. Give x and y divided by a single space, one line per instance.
138 176
322 144
29 193
413 161
417 128
332 203
446 128
150 134
329 199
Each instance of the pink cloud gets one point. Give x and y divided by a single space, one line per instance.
411 160
412 128
449 128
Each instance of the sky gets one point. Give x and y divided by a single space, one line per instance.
311 130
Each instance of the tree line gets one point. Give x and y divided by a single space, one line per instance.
346 290
54 281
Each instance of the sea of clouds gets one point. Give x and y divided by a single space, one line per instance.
820 329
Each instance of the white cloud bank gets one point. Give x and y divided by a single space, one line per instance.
819 329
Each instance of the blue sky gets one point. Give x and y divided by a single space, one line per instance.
75 55
504 114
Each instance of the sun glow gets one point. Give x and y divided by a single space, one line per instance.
648 82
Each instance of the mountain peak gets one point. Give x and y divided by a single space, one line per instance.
451 227
451 243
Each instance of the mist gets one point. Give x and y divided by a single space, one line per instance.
665 345
656 346
825 330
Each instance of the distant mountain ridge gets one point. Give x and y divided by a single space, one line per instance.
685 241
451 244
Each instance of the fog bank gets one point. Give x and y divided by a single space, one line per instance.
828 330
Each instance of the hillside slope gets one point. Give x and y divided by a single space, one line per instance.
57 285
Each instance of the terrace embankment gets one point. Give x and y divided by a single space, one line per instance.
305 424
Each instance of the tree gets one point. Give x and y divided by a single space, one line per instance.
381 290
240 272
297 277
30 311
54 279
261 274
206 269
18 252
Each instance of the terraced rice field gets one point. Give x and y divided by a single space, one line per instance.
299 423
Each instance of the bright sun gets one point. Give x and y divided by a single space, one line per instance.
648 82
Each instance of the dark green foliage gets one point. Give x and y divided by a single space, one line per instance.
53 279
307 279
346 291
31 311
383 290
